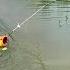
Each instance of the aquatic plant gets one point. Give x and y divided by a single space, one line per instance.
38 56
33 53
6 54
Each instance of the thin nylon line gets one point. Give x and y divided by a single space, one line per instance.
18 26
31 16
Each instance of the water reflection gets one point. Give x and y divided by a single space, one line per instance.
50 26
55 23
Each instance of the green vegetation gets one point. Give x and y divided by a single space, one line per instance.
33 57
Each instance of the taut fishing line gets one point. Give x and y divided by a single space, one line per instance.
5 56
19 25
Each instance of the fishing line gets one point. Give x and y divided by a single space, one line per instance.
4 57
19 25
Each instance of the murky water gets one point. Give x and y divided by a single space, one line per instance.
43 42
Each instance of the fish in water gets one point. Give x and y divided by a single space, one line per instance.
4 40
5 35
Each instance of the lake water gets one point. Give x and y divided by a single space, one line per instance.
42 43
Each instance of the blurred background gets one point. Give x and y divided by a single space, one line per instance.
43 42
